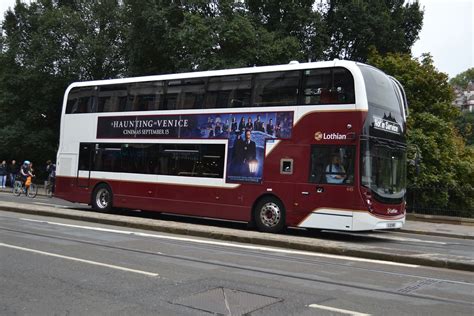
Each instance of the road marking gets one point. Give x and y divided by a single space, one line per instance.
80 260
337 310
49 204
408 239
218 243
393 238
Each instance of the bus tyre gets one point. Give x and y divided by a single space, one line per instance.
269 215
102 198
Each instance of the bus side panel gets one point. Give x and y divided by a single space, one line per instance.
181 199
67 189
309 197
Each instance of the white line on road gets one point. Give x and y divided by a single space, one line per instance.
50 204
396 238
218 243
80 260
338 310
407 239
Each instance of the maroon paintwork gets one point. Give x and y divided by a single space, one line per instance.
237 203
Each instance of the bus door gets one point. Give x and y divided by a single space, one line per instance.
328 197
84 165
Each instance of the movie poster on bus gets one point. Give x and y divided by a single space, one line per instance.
246 133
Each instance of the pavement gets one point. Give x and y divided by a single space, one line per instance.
414 224
442 226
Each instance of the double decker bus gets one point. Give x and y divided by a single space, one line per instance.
316 145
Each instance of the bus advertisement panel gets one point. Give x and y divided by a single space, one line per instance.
246 133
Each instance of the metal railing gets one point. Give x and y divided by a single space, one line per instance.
441 201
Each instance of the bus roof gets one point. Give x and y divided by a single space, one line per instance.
224 72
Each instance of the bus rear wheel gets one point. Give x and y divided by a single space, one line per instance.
102 198
269 215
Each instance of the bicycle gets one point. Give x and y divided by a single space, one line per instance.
19 188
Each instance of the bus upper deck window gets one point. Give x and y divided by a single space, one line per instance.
328 86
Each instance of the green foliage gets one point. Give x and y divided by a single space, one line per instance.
447 166
463 79
355 26
49 44
465 125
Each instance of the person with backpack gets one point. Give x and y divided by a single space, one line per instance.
26 174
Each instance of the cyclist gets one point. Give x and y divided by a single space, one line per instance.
25 172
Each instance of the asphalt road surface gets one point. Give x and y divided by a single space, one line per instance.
394 242
52 266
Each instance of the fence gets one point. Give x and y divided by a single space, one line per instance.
441 201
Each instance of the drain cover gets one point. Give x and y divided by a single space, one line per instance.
226 301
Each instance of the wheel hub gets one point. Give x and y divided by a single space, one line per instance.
103 198
270 214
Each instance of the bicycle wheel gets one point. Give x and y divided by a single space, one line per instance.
32 190
17 188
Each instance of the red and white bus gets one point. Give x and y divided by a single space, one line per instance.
316 145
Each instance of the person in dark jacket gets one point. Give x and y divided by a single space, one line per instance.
3 174
244 155
13 170
51 171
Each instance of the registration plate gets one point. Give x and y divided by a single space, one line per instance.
391 225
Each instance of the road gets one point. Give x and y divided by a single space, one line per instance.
393 243
58 266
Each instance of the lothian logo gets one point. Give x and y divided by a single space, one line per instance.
319 136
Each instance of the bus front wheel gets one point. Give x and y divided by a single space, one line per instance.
102 198
269 215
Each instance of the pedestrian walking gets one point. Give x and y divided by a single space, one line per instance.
51 171
3 174
13 169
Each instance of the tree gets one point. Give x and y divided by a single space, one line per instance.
296 18
463 79
447 167
49 44
465 122
465 125
203 35
150 44
355 26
